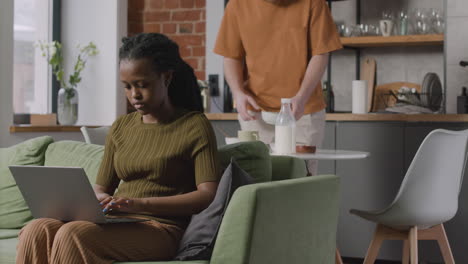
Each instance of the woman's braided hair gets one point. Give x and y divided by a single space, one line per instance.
164 54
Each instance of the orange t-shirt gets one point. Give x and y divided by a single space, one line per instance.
277 43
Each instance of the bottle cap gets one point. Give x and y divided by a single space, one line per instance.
285 100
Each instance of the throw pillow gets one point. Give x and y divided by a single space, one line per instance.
200 235
252 156
76 154
14 212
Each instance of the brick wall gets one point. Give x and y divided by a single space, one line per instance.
181 20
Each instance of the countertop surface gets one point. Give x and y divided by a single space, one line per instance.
372 117
369 117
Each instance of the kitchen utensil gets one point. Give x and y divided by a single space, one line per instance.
432 91
247 135
269 117
435 93
381 94
368 68
386 27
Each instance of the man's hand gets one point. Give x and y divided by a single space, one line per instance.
298 104
242 101
233 72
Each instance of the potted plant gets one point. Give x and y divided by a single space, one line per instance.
67 100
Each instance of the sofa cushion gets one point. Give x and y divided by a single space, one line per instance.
252 156
75 154
166 262
14 213
200 235
9 233
8 250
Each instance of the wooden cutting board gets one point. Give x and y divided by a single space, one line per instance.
368 68
382 99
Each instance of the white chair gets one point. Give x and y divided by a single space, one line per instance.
427 198
95 135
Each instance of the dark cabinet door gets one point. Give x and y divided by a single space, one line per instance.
369 183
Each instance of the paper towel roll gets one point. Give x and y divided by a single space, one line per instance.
359 97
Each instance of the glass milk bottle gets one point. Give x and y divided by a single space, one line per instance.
285 129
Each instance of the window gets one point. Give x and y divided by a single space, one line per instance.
31 74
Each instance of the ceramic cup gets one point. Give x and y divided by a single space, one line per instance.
247 135
386 27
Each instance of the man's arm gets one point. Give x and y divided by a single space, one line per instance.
233 72
312 77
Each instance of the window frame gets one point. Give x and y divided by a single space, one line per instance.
45 84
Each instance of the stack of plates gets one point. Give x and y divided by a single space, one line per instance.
431 91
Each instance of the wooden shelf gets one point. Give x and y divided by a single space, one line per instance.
378 41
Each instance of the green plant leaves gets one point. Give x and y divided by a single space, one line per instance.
54 53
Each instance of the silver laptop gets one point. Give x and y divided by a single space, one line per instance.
62 193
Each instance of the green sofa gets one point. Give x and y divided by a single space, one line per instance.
284 218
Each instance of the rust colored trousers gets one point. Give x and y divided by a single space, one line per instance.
48 240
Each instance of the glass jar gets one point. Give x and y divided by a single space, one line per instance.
67 106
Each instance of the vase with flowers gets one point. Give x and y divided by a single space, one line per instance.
67 99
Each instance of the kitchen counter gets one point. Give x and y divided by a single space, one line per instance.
369 117
373 117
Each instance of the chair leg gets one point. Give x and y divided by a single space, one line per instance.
444 244
405 252
413 244
374 247
338 259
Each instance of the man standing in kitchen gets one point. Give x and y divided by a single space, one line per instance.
277 49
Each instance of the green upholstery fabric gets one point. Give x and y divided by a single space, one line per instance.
306 209
75 154
281 222
8 250
252 156
284 167
8 233
14 213
168 262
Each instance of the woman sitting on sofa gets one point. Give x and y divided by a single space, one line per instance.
165 154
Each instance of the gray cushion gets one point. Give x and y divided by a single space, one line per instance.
198 240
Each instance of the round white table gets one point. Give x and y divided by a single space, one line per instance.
328 154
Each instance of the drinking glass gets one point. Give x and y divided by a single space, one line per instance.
438 26
402 23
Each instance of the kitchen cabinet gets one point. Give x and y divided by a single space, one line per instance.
368 184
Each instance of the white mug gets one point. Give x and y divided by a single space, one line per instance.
386 27
247 135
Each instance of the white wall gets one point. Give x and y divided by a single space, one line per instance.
101 95
103 22
457 50
6 69
214 62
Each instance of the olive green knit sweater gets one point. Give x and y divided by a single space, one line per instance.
162 159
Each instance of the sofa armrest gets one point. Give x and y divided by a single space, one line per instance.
290 221
285 167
